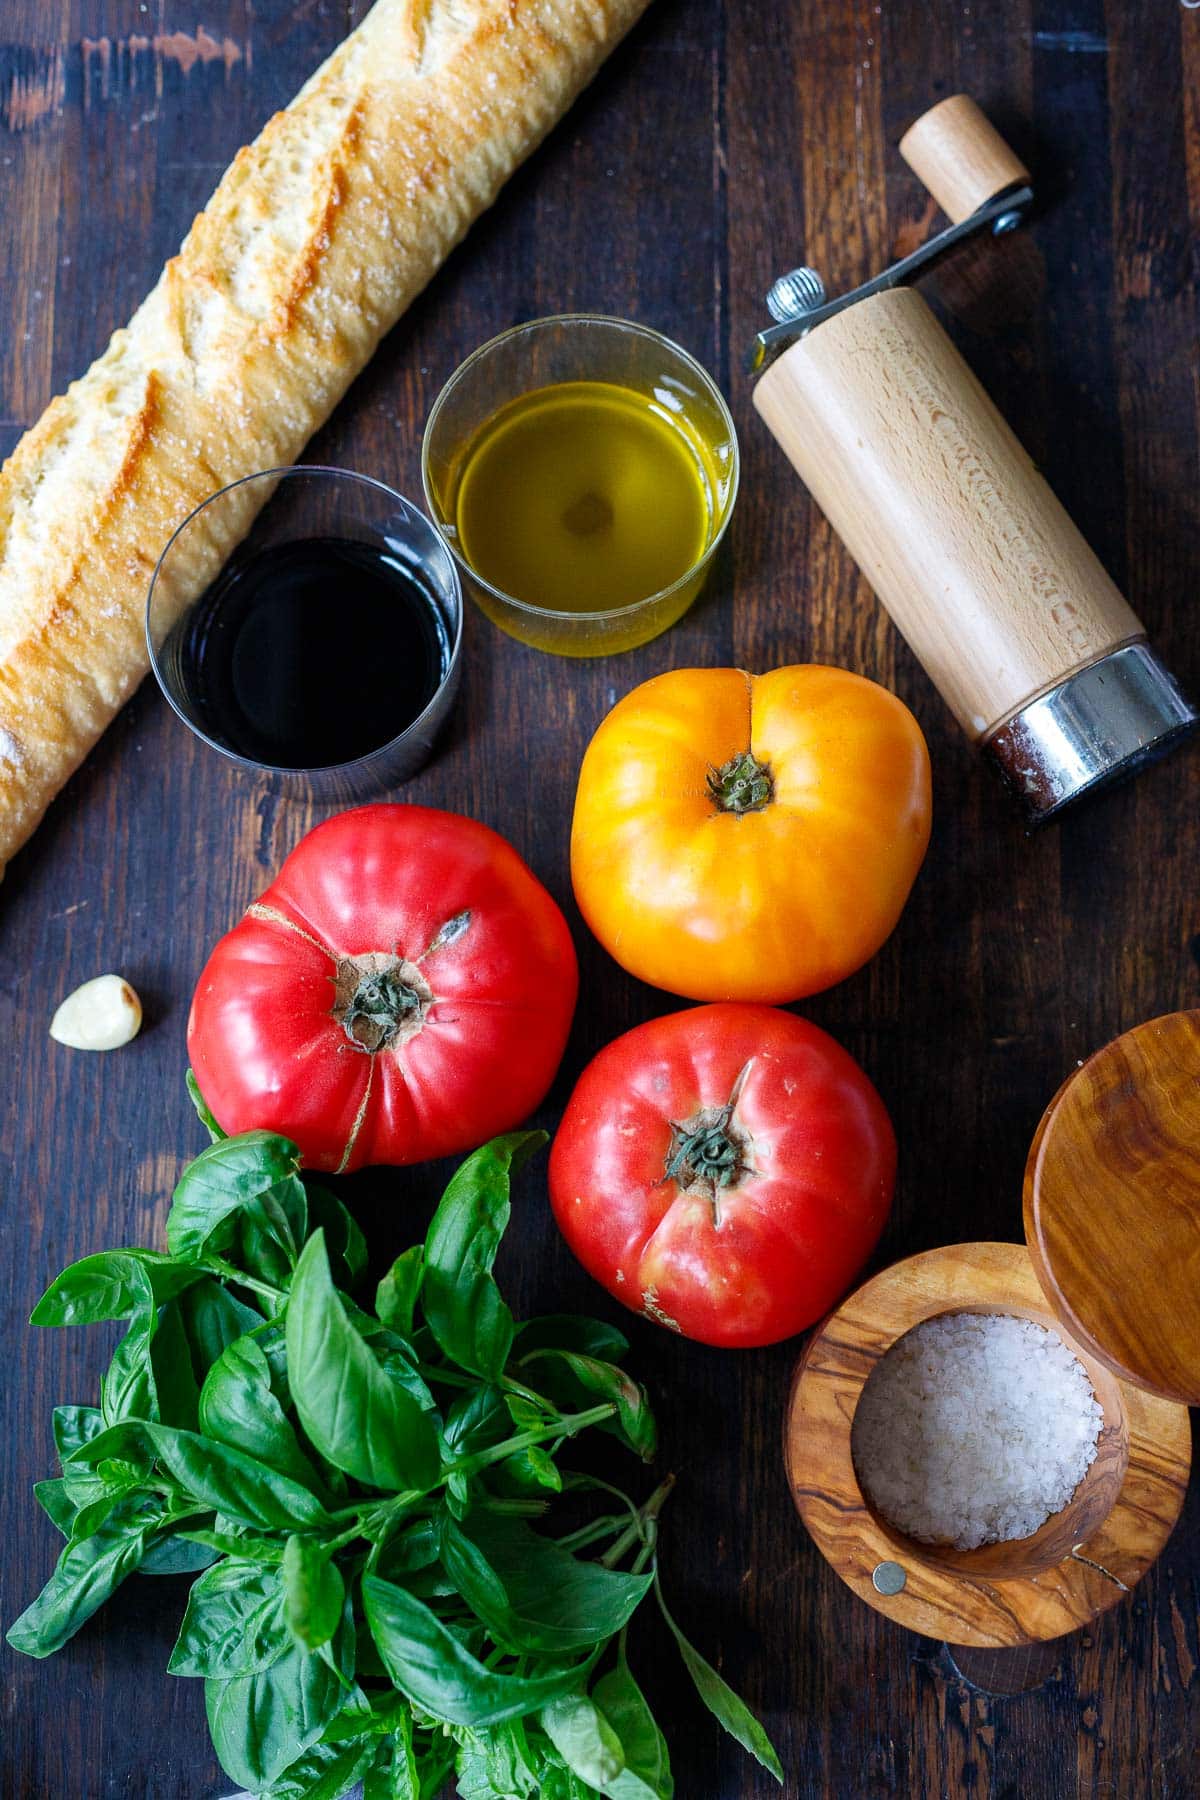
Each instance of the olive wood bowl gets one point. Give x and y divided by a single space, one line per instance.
1081 1561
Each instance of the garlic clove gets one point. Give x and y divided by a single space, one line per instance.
103 1014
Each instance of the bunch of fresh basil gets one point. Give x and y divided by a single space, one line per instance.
357 1488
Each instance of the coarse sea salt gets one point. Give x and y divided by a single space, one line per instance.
975 1428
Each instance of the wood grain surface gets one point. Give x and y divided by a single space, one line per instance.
723 144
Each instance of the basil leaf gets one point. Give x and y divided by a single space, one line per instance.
94 1480
426 1584
478 1584
326 1772
203 1110
56 1503
238 1408
353 1411
472 1773
461 1302
561 1783
406 1777
73 1426
367 1715
113 1284
86 1574
344 1241
530 1593
171 1363
223 1179
122 1472
233 1483
411 1551
583 1738
396 1295
496 1763
234 1623
647 1771
245 1544
477 1420
396 1358
727 1708
397 1775
83 1487
258 1252
313 1592
283 1211
458 1494
341 1652
90 1518
174 1554
437 1672
272 1341
212 1318
527 1471
569 1378
125 1441
271 1228
571 1331
529 1414
127 1389
262 1724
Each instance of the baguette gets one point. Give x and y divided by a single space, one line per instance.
319 236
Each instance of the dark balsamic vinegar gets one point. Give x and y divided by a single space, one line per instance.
311 653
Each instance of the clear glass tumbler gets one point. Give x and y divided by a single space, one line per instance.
581 347
278 510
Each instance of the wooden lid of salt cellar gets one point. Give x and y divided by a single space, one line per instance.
1112 1206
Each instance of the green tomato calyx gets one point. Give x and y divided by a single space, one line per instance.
711 1153
380 1000
741 785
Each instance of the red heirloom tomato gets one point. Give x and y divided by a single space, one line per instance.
402 990
725 1170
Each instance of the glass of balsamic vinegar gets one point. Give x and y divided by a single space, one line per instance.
318 639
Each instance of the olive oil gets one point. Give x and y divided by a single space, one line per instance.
584 497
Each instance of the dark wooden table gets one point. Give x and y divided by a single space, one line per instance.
720 146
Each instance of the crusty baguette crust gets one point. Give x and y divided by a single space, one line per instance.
319 236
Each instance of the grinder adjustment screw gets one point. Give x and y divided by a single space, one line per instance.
795 294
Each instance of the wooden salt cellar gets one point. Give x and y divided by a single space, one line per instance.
1112 1263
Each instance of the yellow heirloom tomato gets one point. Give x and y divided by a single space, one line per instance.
750 837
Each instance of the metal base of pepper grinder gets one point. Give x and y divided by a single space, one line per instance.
1100 724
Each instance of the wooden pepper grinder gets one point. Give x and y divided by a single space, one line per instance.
1037 653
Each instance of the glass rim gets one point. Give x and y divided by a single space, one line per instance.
295 770
613 612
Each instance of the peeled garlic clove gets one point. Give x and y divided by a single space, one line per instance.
103 1014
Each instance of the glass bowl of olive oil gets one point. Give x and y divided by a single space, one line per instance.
582 471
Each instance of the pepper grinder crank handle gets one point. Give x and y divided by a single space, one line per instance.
1030 643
